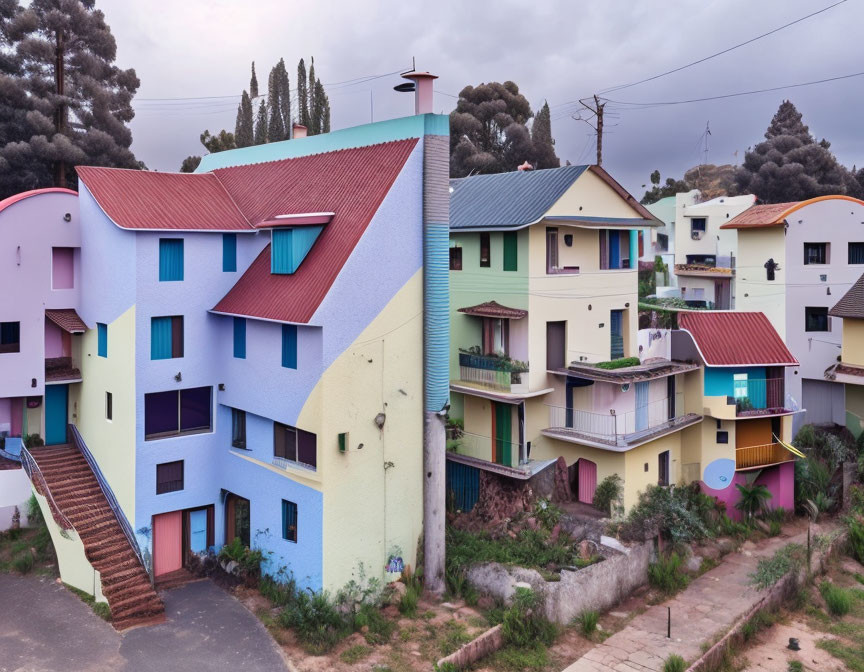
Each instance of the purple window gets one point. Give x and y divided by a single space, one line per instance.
177 412
195 409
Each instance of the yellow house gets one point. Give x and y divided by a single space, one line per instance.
850 369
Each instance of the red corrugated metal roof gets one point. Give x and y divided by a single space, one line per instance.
67 319
350 183
731 338
141 199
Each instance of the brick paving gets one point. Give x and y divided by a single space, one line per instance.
704 611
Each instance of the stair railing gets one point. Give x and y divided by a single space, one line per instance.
108 493
34 473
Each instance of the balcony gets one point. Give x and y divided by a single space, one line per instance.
490 372
754 457
620 431
755 397
61 370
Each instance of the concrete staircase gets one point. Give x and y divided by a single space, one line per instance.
125 583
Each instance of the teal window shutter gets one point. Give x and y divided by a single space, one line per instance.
170 259
101 339
160 338
229 252
289 346
510 250
240 337
289 520
281 254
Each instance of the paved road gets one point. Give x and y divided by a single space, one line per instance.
704 610
45 628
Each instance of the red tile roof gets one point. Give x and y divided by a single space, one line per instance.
774 214
141 199
351 183
731 338
852 303
67 319
494 309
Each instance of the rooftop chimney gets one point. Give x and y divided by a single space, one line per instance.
526 166
299 131
422 90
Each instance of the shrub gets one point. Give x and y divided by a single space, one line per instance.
588 622
838 599
23 562
279 593
674 512
379 629
856 496
547 514
752 498
408 603
730 528
608 493
667 575
674 663
233 551
318 624
618 363
34 512
524 624
795 666
774 528
33 441
770 570
856 537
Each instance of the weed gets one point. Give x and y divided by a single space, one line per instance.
455 634
408 602
101 609
795 666
770 570
547 514
856 537
23 562
859 577
758 622
379 629
355 654
446 667
774 528
514 659
667 575
588 622
838 599
674 663
853 656
524 624
318 624
279 593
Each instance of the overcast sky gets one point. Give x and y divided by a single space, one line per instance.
558 50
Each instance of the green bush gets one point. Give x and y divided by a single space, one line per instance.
752 498
838 600
524 624
588 622
674 663
667 574
233 551
317 622
728 527
676 513
379 629
278 592
856 537
770 570
608 493
33 441
23 562
795 666
774 528
408 602
547 514
618 363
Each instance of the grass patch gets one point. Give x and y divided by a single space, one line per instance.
758 622
852 656
838 600
667 574
379 630
101 609
355 654
408 602
515 659
770 570
618 363
795 666
453 635
674 663
588 622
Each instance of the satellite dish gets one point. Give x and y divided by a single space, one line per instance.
404 87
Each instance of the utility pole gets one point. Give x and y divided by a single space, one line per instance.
595 121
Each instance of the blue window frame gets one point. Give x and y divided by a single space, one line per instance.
229 252
289 346
101 339
166 337
170 259
289 521
240 337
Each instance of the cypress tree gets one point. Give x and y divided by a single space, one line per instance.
544 144
261 125
321 120
314 125
275 127
253 83
244 129
284 86
302 93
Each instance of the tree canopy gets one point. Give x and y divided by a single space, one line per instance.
63 101
489 133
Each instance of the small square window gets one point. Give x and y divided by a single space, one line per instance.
170 259
10 337
723 437
109 406
856 253
816 319
698 224
289 521
343 442
485 255
166 337
815 253
455 258
169 477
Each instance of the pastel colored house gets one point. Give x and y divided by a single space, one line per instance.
849 370
740 386
543 287
795 260
252 361
706 255
662 243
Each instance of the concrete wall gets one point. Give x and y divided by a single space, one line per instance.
717 212
14 491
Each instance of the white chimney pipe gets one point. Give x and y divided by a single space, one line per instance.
422 90
299 131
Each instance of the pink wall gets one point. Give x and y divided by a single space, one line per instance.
62 268
779 479
608 396
53 340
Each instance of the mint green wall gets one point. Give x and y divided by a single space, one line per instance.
473 285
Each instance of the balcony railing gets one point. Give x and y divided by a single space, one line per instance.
620 428
495 373
759 396
751 457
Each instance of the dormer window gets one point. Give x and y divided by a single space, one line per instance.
292 238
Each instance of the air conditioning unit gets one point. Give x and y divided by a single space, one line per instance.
697 235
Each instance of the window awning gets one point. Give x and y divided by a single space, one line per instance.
67 319
494 309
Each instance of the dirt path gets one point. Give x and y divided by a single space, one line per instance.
702 612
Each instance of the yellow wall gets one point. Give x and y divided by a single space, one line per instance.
112 443
853 341
372 495
753 292
855 407
590 196
636 479
608 462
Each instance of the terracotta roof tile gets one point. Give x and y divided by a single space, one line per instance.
757 216
494 309
732 338
852 303
67 319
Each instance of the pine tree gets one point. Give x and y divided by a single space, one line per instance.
302 95
253 83
314 117
325 110
244 129
284 86
275 127
79 102
261 124
219 142
190 163
544 144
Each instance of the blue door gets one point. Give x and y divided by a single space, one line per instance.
614 250
56 403
198 531
641 406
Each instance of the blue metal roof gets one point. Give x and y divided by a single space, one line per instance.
508 200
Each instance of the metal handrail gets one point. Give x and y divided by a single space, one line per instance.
108 493
34 473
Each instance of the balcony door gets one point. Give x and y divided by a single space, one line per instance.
502 433
56 405
496 336
556 348
641 406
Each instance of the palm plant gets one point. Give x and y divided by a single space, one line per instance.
753 498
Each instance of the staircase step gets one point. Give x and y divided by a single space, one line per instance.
78 490
122 624
138 605
121 581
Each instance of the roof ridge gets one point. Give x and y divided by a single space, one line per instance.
230 197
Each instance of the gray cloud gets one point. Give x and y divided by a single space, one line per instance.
554 49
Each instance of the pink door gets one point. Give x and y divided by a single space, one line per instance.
587 480
167 542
